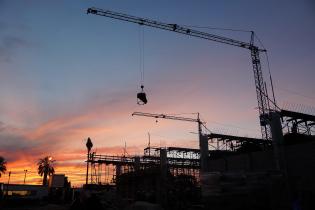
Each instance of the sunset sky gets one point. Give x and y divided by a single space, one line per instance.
66 75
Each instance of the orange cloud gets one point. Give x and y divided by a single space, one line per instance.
109 123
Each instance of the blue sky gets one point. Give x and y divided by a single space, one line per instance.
66 75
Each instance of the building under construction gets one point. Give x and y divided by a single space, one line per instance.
257 173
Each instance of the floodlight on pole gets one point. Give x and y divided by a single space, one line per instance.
89 146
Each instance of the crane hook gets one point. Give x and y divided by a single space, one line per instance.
141 97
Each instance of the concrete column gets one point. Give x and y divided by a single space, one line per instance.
137 163
162 198
118 170
277 139
163 162
279 153
204 152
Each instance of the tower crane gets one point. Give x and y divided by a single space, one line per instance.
261 90
203 139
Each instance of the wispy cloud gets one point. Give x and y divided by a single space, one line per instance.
8 46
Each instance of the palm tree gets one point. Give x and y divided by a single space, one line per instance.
3 166
45 167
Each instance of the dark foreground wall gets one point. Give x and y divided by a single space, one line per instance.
299 162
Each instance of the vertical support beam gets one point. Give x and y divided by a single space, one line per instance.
137 163
163 178
118 170
99 177
163 162
203 146
204 152
92 169
277 139
279 153
308 130
87 168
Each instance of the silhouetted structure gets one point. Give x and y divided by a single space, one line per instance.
294 122
240 176
89 146
45 167
3 166
178 160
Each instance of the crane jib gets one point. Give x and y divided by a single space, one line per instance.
173 27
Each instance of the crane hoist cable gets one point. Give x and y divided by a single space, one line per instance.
141 96
141 54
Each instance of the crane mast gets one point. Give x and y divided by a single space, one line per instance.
261 91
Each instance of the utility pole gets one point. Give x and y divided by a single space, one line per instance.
89 146
125 149
9 177
8 183
25 171
149 144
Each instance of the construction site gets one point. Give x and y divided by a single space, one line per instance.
242 172
227 172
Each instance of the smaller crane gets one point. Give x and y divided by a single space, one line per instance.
203 140
169 117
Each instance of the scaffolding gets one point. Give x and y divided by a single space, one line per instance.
179 161
186 161
106 168
236 143
297 123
